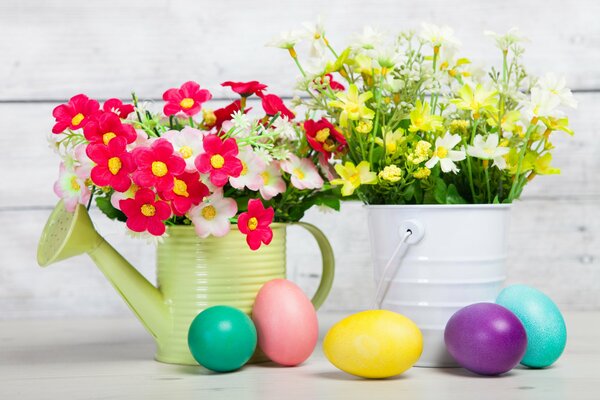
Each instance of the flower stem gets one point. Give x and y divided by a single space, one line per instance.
487 183
517 180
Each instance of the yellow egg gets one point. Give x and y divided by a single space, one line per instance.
374 344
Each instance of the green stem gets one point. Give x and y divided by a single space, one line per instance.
135 104
487 182
517 180
191 122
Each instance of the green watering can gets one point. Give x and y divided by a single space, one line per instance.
192 273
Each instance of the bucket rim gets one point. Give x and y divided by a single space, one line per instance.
502 206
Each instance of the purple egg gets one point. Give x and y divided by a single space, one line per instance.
486 338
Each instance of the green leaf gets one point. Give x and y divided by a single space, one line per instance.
107 208
418 192
496 200
440 191
409 192
328 201
453 197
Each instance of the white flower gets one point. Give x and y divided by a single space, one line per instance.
304 173
368 39
71 188
285 129
488 149
315 32
273 184
438 36
557 86
503 42
188 143
241 121
211 217
445 155
388 57
541 103
252 168
286 40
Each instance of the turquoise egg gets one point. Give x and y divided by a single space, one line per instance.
543 322
222 338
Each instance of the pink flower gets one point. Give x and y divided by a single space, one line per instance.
187 191
75 114
117 107
113 165
255 224
107 127
211 217
157 165
273 183
252 169
144 212
219 160
71 188
272 104
188 143
187 99
304 174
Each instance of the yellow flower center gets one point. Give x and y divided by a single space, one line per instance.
488 151
159 168
209 212
352 108
114 165
354 179
217 161
317 36
441 152
299 173
244 169
329 145
180 188
77 119
322 135
252 223
186 152
209 117
74 183
266 177
148 210
107 137
187 103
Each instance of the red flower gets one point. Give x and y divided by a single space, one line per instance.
187 191
219 159
157 165
75 114
255 224
144 212
106 127
113 165
272 104
323 137
116 106
333 84
245 89
188 99
225 113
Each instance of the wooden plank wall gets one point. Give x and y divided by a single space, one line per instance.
50 50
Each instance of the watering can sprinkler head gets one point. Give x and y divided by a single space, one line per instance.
68 234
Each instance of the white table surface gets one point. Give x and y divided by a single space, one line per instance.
112 359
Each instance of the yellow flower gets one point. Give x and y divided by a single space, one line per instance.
391 173
353 105
364 64
508 122
392 140
422 173
353 176
365 126
338 65
422 120
512 160
557 124
541 166
478 101
459 126
421 152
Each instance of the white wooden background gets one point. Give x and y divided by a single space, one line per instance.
50 50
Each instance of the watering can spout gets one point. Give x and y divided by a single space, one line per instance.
68 234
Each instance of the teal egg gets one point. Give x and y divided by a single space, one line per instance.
222 338
543 322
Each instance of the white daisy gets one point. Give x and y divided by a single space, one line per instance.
488 149
286 40
368 39
438 36
211 217
503 42
557 86
445 155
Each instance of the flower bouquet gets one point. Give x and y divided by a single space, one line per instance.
190 165
422 124
437 149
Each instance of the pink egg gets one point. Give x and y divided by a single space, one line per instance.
286 322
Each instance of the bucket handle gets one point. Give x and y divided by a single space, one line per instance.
411 232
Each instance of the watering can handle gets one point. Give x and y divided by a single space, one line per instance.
328 263
411 232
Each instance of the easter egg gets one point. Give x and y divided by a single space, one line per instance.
374 344
222 338
286 322
545 325
485 338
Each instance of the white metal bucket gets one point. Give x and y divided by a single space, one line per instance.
459 260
